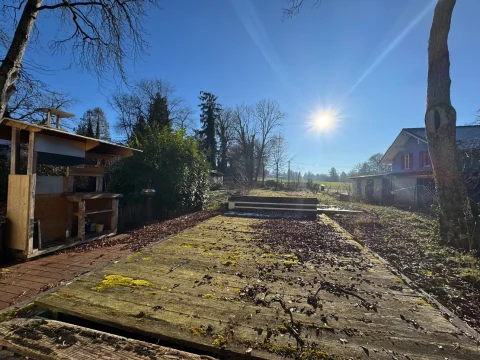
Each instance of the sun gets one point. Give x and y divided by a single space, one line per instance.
323 120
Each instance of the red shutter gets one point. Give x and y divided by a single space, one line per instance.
410 161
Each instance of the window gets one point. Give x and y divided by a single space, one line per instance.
407 161
425 159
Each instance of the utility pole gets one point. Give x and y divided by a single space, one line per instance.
288 183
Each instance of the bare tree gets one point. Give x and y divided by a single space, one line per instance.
245 129
32 94
101 34
269 118
133 105
279 155
440 121
225 133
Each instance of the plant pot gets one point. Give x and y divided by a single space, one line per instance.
99 228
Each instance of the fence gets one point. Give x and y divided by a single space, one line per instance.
133 215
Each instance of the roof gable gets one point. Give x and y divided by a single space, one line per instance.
468 137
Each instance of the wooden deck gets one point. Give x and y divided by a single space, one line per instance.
193 290
40 339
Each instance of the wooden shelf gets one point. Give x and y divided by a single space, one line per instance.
91 212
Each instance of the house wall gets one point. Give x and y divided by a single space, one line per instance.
412 146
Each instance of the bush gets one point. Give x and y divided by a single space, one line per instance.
171 164
270 183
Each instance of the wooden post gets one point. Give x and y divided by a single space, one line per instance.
49 118
14 151
98 180
81 219
69 217
31 213
32 155
114 216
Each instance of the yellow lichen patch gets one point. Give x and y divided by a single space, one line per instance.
210 296
198 330
187 245
219 341
65 294
236 290
422 302
147 259
268 255
208 254
282 329
133 256
290 262
164 288
112 281
290 256
398 280
229 263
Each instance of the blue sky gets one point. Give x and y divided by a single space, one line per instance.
367 58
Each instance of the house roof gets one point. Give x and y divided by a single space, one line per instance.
93 146
422 173
468 137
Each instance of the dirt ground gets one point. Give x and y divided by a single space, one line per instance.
265 288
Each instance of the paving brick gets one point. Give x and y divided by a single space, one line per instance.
6 297
13 289
4 305
28 284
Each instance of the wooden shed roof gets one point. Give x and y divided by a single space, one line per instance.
93 146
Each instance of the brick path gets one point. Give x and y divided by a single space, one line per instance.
22 281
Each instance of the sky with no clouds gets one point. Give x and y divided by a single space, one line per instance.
365 61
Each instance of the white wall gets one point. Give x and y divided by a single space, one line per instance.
49 185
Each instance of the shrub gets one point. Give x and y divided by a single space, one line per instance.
171 164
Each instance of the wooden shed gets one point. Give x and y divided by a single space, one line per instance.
44 213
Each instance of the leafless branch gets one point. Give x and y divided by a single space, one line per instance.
294 7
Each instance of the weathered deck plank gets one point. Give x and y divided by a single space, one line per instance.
39 339
194 300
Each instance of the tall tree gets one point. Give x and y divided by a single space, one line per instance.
245 129
269 118
343 177
225 135
158 113
89 132
133 106
279 155
333 175
100 34
209 117
440 121
94 116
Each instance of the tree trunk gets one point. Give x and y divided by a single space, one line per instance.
440 121
259 161
12 63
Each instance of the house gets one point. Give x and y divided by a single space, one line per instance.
405 174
